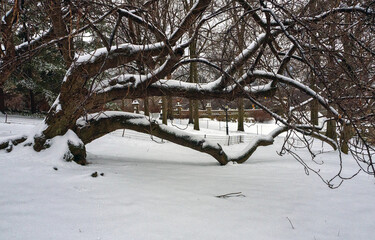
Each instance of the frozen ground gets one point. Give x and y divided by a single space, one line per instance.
164 191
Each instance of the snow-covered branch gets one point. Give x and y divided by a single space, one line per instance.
297 84
97 125
348 9
254 144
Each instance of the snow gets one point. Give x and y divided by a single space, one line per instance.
164 191
177 84
256 89
247 52
356 8
134 118
36 38
56 104
122 48
3 21
126 80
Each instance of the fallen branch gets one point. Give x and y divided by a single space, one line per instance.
291 224
228 195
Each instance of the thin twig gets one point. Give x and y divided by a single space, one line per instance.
228 195
291 224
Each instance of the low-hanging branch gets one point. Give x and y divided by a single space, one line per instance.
96 125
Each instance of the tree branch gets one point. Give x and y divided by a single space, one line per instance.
98 125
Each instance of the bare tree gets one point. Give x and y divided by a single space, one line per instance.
282 42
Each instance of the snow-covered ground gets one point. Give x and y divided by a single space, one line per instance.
164 191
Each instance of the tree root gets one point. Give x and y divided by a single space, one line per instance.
76 150
77 153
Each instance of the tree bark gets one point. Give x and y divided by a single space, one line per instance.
196 114
194 79
165 110
240 28
331 129
346 134
331 124
66 45
191 118
314 107
347 131
170 108
32 102
240 126
146 106
2 100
